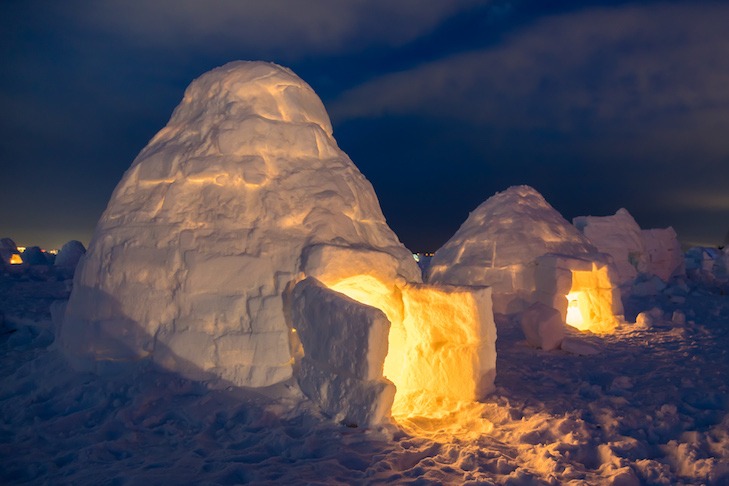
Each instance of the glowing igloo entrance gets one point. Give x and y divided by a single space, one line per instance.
582 290
373 345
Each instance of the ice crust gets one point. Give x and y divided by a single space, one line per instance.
205 231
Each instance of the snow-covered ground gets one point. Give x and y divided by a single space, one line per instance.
649 408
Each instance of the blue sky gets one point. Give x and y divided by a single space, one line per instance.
598 105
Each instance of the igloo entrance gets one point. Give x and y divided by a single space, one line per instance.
434 342
410 349
589 302
581 290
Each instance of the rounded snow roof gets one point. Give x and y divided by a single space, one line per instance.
515 226
257 88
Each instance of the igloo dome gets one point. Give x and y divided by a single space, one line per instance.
244 246
207 227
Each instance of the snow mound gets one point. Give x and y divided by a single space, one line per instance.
70 254
206 230
542 326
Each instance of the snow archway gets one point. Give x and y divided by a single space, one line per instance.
582 290
407 348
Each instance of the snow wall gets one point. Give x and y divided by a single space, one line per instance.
240 197
634 251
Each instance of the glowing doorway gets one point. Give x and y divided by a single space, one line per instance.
590 301
439 346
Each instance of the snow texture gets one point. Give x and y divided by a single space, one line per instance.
664 257
205 231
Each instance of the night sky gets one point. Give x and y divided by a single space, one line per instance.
598 105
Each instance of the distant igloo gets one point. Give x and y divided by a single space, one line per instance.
9 254
519 245
243 246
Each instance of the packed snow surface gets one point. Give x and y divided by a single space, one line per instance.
646 405
210 225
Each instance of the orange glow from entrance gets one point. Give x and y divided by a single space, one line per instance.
574 314
435 351
15 259
590 301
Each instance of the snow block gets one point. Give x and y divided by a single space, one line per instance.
338 333
663 254
344 398
70 254
543 326
619 236
450 341
344 344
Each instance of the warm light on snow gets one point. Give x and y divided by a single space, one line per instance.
574 314
15 259
590 301
435 349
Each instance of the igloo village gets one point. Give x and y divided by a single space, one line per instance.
244 314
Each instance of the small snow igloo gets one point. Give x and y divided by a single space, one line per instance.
245 248
520 246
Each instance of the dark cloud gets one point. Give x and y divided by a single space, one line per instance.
285 29
440 104
623 105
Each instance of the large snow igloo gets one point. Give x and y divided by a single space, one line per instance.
244 247
519 245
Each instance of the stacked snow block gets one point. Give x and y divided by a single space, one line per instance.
619 236
543 326
345 345
663 254
634 251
